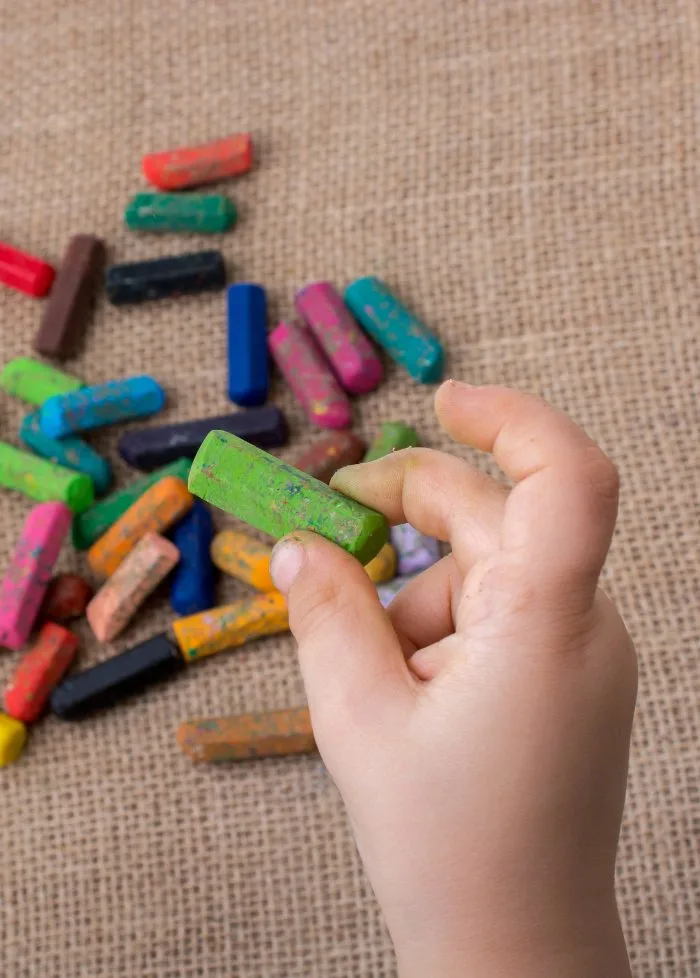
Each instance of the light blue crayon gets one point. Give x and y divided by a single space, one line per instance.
94 407
72 453
192 588
404 337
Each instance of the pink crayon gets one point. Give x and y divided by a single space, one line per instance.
350 352
307 373
29 573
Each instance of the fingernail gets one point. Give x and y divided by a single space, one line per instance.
288 557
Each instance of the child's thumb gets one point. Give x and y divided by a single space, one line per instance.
351 659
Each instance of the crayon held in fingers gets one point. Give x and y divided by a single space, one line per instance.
137 576
157 509
311 379
244 558
253 735
231 625
277 499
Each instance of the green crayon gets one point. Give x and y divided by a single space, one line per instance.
277 498
91 524
34 381
204 213
43 480
392 436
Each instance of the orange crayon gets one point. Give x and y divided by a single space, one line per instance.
251 735
243 557
157 509
192 166
141 572
231 625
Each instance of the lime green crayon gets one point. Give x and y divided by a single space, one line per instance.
277 498
91 524
34 381
43 480
392 436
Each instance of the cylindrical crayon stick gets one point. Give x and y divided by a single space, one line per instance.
192 588
329 453
42 480
104 404
244 558
39 671
253 735
382 568
231 625
25 582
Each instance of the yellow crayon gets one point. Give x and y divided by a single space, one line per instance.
231 625
243 557
382 568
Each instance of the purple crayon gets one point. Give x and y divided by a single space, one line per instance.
354 359
415 550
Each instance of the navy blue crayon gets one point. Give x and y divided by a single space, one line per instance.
93 407
248 375
72 453
192 588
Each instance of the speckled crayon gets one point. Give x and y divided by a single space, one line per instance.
42 480
25 582
33 381
277 499
192 587
312 382
30 686
404 337
354 359
231 625
72 453
104 404
393 435
243 557
137 576
329 453
416 551
253 735
196 213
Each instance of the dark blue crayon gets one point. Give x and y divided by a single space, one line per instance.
94 407
192 588
72 453
149 448
246 314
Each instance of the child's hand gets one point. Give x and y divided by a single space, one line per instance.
479 729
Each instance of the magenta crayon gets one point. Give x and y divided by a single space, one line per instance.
25 582
352 356
312 381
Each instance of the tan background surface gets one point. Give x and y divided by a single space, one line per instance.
526 174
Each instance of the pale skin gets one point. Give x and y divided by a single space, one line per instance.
478 730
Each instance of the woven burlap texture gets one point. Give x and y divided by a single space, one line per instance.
525 173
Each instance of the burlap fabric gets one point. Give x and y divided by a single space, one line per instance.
525 173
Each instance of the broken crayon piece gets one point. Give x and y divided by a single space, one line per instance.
137 576
253 735
192 588
68 307
231 625
158 508
146 448
382 568
243 557
95 521
404 337
114 679
72 453
42 480
393 435
198 213
355 361
67 597
311 379
27 577
34 381
24 272
42 668
329 453
13 737
104 404
246 320
192 166
277 499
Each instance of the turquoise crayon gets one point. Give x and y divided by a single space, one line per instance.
104 404
71 453
405 338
